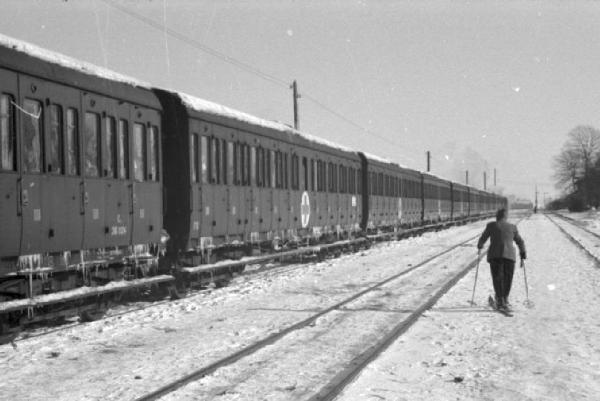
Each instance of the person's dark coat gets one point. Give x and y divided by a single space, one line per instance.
502 234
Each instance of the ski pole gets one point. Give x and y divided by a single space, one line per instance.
525 277
476 273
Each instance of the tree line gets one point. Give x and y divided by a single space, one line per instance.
577 170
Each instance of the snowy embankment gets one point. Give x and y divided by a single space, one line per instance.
577 230
589 219
126 356
457 352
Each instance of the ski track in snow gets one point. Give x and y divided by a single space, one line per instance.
125 356
549 352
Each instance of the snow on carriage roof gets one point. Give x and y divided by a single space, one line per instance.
209 107
69 62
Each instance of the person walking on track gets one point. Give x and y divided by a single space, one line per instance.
501 255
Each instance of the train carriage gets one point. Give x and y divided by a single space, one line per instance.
80 173
411 194
85 197
250 183
437 204
460 201
381 202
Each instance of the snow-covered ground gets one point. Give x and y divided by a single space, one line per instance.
589 219
549 352
129 355
577 230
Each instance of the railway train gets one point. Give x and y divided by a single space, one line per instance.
107 183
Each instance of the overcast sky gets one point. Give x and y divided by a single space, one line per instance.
481 84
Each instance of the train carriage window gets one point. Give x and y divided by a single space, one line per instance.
259 166
153 155
279 169
204 159
242 164
215 160
266 183
224 162
313 174
252 165
72 139
32 136
320 178
139 152
247 166
236 164
54 141
374 183
272 168
92 144
331 177
123 141
194 157
231 163
295 172
7 134
324 182
110 151
317 164
241 180
285 171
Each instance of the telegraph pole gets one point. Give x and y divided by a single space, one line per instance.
428 161
467 177
484 180
536 200
296 97
494 177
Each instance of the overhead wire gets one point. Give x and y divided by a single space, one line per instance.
242 65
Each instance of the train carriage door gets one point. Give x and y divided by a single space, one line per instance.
199 225
252 212
232 212
146 189
286 198
93 186
244 195
115 170
262 187
10 183
216 159
61 215
31 108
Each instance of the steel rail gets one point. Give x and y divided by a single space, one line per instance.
258 260
575 240
339 382
270 339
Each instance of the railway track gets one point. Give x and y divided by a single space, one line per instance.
282 260
576 240
339 381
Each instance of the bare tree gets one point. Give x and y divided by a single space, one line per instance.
567 169
578 156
